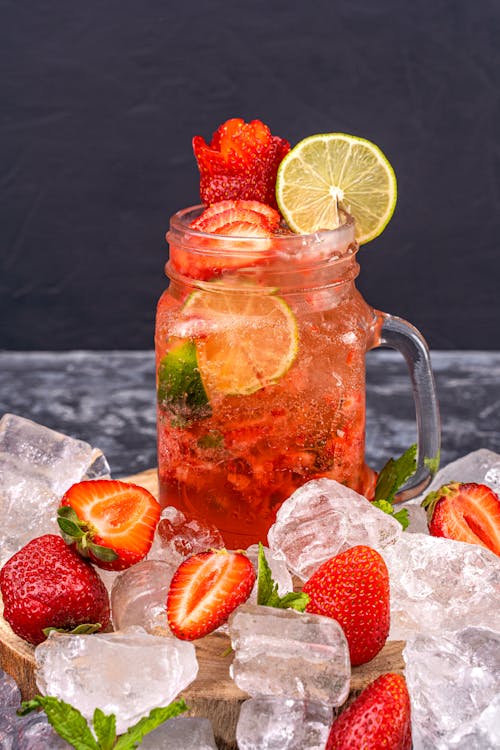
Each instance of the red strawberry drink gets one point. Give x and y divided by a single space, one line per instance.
260 344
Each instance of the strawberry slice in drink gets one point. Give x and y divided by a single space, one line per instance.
111 522
231 218
204 591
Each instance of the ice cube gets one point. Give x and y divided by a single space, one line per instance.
289 654
323 518
37 466
181 733
10 695
139 596
454 685
35 733
177 537
279 571
126 673
481 466
439 584
270 723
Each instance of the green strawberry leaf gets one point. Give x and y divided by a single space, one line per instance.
105 729
393 476
133 736
267 589
69 523
85 628
67 721
106 554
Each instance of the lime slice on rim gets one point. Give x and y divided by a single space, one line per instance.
244 341
330 170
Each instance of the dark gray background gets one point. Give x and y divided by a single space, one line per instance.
100 101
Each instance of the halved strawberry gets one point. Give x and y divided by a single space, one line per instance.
240 162
204 591
111 522
466 512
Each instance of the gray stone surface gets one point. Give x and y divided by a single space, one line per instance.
107 398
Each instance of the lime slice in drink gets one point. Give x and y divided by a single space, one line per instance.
325 172
244 340
180 388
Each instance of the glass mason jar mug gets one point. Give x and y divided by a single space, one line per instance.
260 357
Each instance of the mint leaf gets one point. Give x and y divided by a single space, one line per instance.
267 589
395 473
392 477
67 721
105 729
402 517
133 736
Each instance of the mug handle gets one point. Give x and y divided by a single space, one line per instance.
398 334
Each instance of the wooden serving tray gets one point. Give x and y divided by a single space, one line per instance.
213 694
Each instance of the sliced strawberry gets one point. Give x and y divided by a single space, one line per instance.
466 512
204 591
230 219
271 216
111 522
240 162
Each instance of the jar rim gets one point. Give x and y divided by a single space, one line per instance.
339 240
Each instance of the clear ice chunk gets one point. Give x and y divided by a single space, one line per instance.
289 654
323 518
279 571
177 537
126 673
454 684
269 723
139 596
439 584
37 466
10 695
181 733
481 466
35 733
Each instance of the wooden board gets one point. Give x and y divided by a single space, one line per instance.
213 694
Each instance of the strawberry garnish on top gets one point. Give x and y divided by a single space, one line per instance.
467 512
353 588
240 162
48 585
205 589
111 522
379 718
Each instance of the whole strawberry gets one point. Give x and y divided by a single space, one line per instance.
379 718
48 585
353 588
467 512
